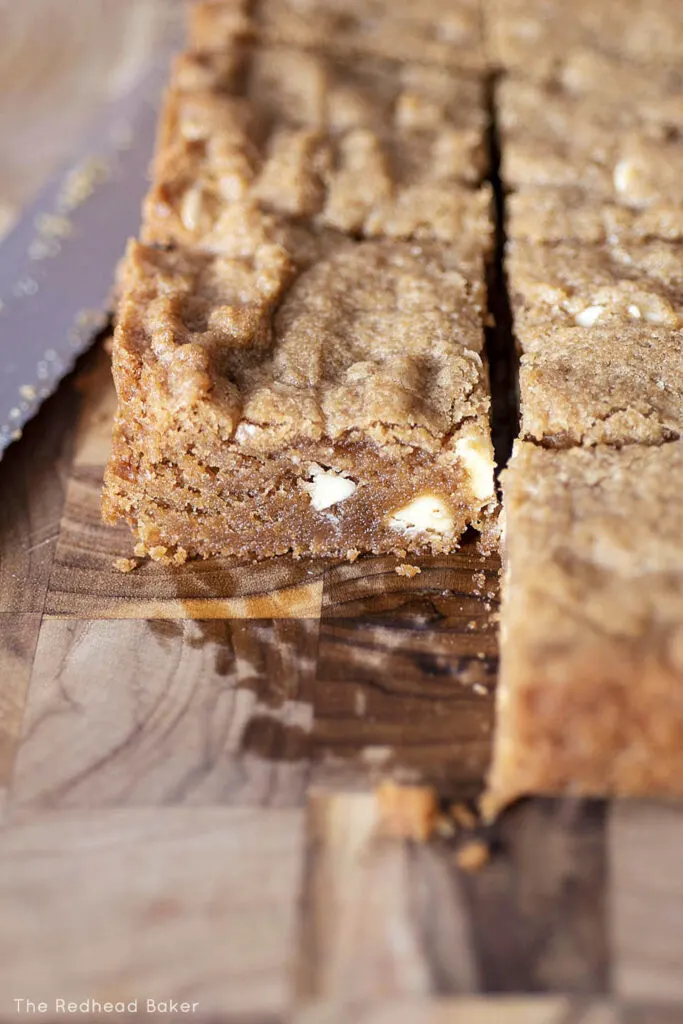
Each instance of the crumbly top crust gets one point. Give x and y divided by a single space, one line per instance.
372 147
620 91
593 545
592 90
340 339
623 153
536 37
569 214
603 386
434 31
584 286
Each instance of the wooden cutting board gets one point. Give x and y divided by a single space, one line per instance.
187 762
188 759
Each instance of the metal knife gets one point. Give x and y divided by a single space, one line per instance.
57 265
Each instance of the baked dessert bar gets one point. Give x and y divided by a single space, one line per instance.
602 385
448 32
590 694
590 699
578 285
538 214
630 155
307 392
601 333
370 147
589 89
534 37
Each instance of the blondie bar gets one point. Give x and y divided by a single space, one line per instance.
623 154
370 147
574 285
601 333
308 393
590 696
602 385
535 37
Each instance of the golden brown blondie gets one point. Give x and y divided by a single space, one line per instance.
601 333
538 214
535 37
299 348
626 154
312 393
590 699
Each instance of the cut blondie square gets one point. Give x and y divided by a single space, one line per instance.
368 147
600 329
448 32
590 693
306 393
536 37
610 384
575 285
551 138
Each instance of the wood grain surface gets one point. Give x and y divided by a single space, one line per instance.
188 756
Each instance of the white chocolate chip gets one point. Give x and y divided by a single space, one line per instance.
245 432
624 176
634 311
193 129
588 316
327 488
476 456
232 187
658 310
191 208
426 514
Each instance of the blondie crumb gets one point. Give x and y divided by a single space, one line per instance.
463 816
125 564
479 581
407 812
473 855
407 570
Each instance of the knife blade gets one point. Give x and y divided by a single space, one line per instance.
57 265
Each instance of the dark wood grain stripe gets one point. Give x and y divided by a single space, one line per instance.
538 909
406 669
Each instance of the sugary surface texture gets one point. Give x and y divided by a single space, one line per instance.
369 147
577 285
535 37
599 327
590 698
628 153
602 385
540 214
377 337
446 32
